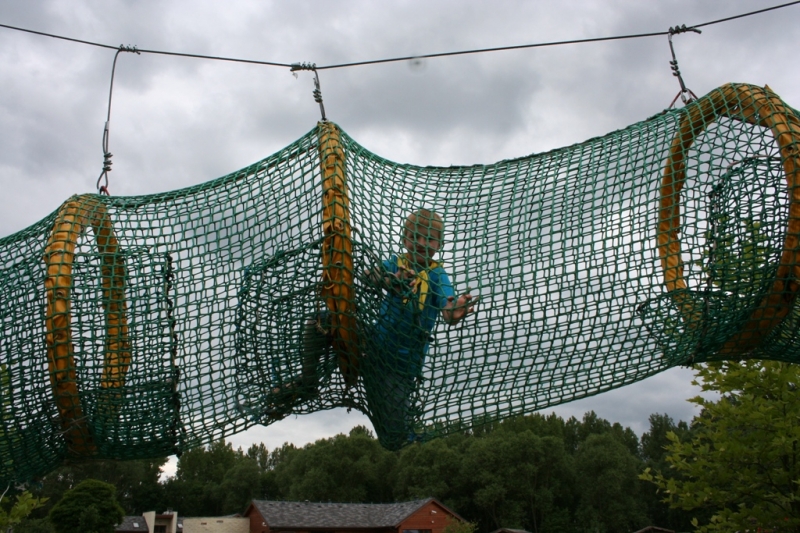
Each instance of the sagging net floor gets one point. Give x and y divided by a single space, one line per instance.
143 326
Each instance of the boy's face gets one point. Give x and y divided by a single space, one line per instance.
423 243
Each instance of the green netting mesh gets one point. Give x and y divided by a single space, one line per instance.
183 317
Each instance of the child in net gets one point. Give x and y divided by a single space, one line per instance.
417 291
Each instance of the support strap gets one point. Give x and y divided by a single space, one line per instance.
337 252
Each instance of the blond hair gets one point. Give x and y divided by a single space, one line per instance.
423 218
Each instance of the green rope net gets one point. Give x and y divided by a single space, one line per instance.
320 277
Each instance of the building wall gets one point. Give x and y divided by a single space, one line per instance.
150 519
256 520
216 524
430 516
168 520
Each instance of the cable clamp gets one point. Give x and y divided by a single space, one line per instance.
317 92
303 66
103 189
129 48
683 29
673 65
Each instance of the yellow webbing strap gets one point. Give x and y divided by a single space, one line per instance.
337 252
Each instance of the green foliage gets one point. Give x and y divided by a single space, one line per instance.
741 461
654 453
526 473
539 473
457 526
740 258
576 432
35 525
654 442
90 520
218 480
352 468
609 493
137 483
91 507
196 489
24 505
431 469
517 479
240 485
259 454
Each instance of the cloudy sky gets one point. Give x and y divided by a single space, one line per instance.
178 121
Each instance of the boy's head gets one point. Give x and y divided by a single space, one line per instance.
422 236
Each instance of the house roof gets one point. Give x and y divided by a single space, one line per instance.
132 523
127 524
309 515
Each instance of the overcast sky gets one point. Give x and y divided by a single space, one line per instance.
178 121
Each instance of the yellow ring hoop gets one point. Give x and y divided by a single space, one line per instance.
75 215
754 105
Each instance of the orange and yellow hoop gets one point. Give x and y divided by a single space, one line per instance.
74 216
754 105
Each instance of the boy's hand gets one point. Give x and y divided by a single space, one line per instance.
455 310
406 279
399 282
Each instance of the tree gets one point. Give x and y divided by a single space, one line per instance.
91 507
576 432
137 482
609 485
655 440
741 461
457 526
24 505
196 488
259 454
34 525
345 468
217 480
516 480
654 453
240 485
431 469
